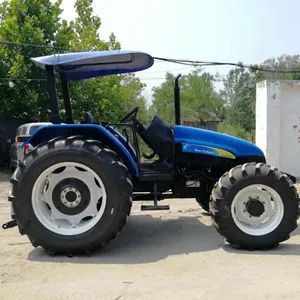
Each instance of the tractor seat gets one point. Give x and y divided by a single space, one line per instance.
158 136
88 119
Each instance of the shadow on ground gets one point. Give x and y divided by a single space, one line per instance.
147 239
5 174
285 248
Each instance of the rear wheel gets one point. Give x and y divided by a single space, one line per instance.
71 195
254 206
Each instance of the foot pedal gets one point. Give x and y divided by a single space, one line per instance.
155 207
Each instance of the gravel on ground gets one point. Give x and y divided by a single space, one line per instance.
175 254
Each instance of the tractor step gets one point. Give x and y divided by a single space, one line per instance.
155 207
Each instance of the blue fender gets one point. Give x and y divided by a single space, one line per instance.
93 131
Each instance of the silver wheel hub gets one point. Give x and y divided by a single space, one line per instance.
70 197
257 209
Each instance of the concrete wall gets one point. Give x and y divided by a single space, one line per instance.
278 123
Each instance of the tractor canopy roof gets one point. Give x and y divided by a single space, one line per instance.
84 65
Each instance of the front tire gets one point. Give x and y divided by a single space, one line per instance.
203 203
254 206
71 195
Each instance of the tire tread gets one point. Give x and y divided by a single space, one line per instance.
98 150
220 215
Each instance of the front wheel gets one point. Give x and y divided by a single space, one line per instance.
204 203
71 195
254 206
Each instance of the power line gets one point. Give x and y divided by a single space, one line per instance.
44 79
152 78
192 63
169 70
32 45
23 79
196 63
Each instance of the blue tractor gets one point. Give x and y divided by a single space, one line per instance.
72 193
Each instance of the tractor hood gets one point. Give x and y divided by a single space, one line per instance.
214 140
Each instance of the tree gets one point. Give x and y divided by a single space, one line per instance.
39 22
31 22
239 97
163 99
283 62
239 93
199 100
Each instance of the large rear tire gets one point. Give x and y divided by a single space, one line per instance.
254 206
71 195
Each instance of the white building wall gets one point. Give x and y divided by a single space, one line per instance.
278 124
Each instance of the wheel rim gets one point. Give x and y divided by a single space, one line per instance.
257 209
68 198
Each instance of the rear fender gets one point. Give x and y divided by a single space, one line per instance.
92 131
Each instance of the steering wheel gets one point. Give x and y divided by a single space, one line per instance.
131 114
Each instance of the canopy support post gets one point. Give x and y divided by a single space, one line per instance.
66 97
55 117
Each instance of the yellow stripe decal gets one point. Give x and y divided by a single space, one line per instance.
207 150
223 153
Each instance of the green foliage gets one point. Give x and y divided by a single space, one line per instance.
240 91
235 130
199 100
31 22
283 62
39 22
110 97
239 97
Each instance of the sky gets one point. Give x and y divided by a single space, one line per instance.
211 30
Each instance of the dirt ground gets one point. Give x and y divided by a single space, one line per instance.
175 254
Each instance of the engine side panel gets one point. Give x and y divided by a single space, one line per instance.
211 157
201 141
206 150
